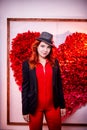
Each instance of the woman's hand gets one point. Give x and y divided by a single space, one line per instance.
26 117
63 112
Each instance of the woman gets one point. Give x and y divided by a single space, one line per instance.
42 92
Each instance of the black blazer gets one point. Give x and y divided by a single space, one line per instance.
29 88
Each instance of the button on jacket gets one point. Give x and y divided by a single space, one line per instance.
30 88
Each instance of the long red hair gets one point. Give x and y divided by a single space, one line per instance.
33 59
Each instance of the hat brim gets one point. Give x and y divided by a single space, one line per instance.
49 43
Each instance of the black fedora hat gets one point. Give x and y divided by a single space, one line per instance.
46 37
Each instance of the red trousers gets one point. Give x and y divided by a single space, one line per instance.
45 101
52 117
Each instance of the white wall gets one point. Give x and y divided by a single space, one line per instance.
30 9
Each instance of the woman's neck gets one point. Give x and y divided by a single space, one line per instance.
42 61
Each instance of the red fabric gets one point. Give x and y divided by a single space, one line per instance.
52 117
45 101
44 80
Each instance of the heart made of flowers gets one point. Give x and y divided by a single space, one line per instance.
72 55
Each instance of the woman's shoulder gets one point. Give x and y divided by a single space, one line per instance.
56 62
25 63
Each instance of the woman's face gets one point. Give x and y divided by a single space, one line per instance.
43 49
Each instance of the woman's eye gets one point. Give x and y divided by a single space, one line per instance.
49 47
42 45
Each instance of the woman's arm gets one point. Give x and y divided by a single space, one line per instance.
60 87
25 87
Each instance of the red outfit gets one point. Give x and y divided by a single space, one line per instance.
44 78
45 101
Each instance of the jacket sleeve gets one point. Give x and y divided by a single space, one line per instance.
60 87
25 87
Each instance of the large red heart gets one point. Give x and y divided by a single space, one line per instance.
72 55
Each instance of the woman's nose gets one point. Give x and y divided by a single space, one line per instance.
45 49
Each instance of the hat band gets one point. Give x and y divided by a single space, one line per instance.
46 40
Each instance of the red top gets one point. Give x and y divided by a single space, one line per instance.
44 80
